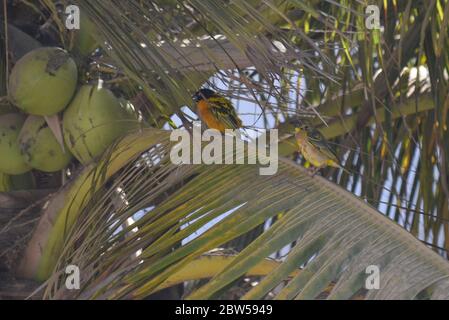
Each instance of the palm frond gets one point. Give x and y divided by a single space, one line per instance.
186 211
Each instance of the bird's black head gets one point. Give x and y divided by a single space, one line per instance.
203 94
302 124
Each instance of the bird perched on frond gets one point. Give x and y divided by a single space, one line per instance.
314 147
216 111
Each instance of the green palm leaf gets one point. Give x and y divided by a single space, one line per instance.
333 235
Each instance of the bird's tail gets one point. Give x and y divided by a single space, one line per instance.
344 169
337 165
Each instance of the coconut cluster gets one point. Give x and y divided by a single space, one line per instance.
42 84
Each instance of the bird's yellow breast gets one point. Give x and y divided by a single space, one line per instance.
208 117
311 153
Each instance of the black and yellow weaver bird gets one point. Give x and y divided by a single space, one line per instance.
315 148
216 111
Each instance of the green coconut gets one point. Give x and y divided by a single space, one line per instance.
94 120
40 148
17 182
43 81
5 182
84 42
11 160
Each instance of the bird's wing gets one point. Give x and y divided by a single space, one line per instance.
316 138
224 111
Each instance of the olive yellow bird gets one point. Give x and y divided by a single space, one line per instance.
314 148
216 111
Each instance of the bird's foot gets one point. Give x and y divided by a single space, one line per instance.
313 171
